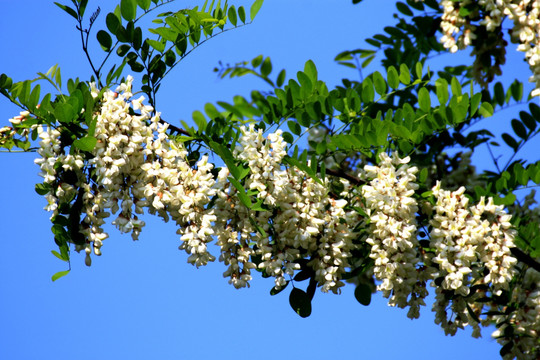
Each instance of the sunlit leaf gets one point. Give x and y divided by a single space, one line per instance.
59 274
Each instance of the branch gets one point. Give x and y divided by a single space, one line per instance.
525 258
353 179
174 128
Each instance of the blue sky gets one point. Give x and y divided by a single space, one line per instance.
141 299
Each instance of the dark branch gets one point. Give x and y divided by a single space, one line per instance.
173 128
524 258
353 179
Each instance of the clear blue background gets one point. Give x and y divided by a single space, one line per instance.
141 300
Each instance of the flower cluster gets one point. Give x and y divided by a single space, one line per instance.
296 218
458 32
524 322
469 246
133 166
472 247
393 233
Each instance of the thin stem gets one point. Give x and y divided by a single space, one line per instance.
359 67
518 149
19 151
84 43
493 158
353 179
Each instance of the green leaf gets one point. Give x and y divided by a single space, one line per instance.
67 9
303 275
43 189
244 198
311 71
321 148
59 274
300 302
486 110
393 77
228 158
380 84
305 83
499 93
281 78
424 100
57 254
366 62
517 90
33 100
255 8
528 120
301 165
82 6
275 291
144 4
200 120
506 349
266 67
123 49
475 102
232 15
287 136
535 111
456 86
519 129
418 5
170 58
64 113
128 9
137 38
113 23
104 39
418 69
362 293
294 127
87 143
211 111
368 94
404 9
510 141
404 74
158 45
242 14
256 61
5 81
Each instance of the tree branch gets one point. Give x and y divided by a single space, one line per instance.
525 258
353 179
174 128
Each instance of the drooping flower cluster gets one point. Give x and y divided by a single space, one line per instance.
467 238
524 322
472 247
132 166
297 219
459 32
393 233
469 246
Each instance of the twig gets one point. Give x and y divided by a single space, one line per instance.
524 258
346 176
